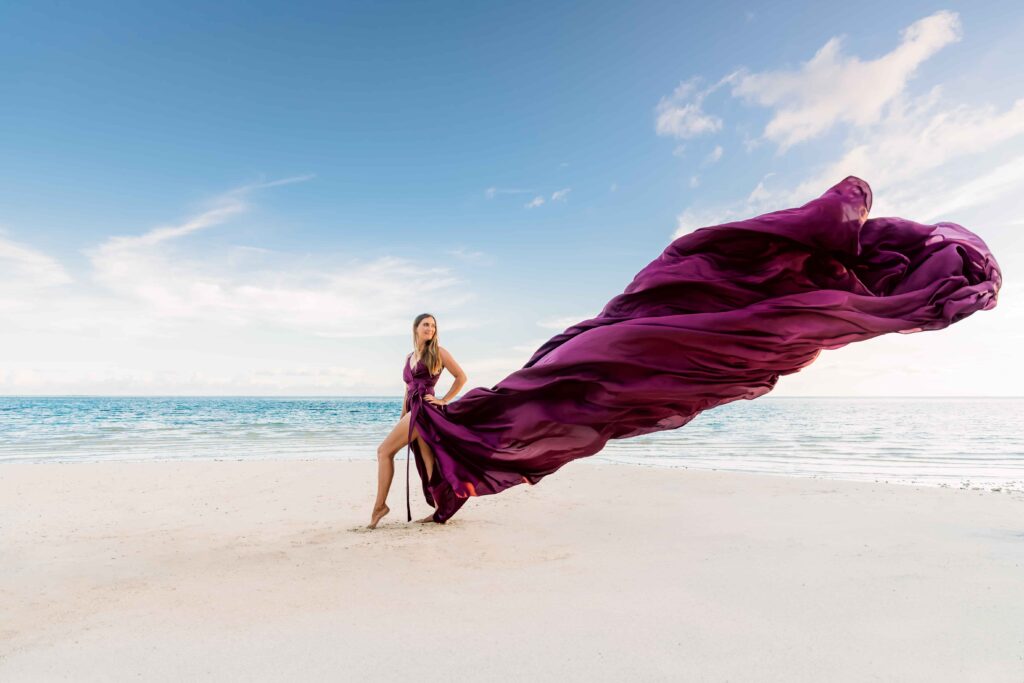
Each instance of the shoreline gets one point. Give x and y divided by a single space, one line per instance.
1013 488
262 569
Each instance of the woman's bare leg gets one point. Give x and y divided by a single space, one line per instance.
428 460
393 443
428 455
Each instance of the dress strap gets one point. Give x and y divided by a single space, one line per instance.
408 446
414 404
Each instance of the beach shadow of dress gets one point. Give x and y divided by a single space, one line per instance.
719 316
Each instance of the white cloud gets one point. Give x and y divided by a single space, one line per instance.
25 268
531 346
997 183
681 115
694 181
918 136
560 195
109 379
562 322
150 313
223 208
150 283
714 156
904 145
832 88
535 202
760 192
692 218
492 192
466 254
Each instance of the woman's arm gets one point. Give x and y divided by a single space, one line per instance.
452 367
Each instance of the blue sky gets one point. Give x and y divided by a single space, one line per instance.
257 198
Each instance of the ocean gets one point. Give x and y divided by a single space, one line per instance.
957 442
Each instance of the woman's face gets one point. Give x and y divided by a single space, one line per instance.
425 330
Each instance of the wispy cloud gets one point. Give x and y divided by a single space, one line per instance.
152 282
223 208
909 147
560 323
466 254
25 275
832 88
115 380
681 114
713 156
827 89
918 136
530 346
997 183
28 268
492 192
760 193
556 196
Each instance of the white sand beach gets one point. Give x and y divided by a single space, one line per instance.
232 570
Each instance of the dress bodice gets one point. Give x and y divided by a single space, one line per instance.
418 379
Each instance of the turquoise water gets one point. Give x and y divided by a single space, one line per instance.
961 442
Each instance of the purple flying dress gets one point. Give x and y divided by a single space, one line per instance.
719 316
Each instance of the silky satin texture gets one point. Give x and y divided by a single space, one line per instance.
719 316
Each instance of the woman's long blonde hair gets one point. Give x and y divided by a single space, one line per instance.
431 350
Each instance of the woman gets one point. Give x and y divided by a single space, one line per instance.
719 316
422 368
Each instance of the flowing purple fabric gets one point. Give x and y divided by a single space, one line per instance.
720 315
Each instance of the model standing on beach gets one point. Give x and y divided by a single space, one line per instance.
422 368
719 316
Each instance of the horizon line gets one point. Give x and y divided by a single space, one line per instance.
395 396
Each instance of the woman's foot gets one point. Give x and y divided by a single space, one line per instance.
378 513
428 518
